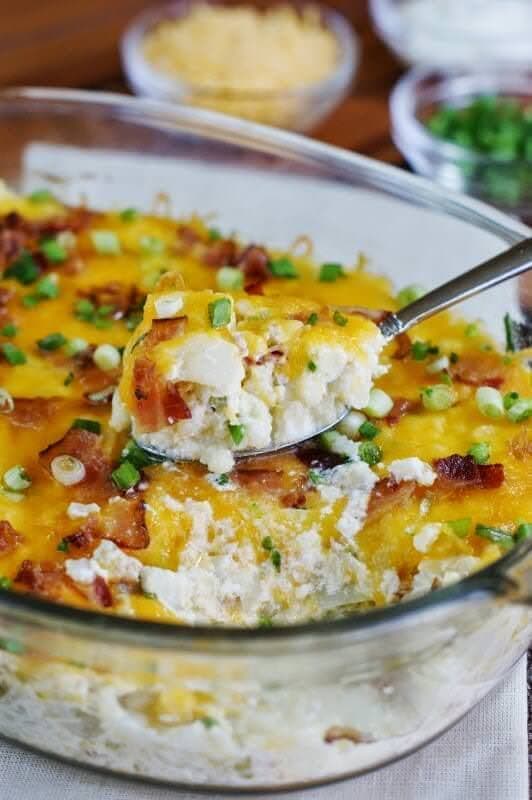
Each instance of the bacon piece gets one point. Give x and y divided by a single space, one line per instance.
34 412
44 579
163 329
75 219
295 499
220 253
122 296
9 538
463 471
89 376
124 522
376 315
270 480
404 346
159 403
316 457
253 262
337 732
101 593
387 495
402 406
87 447
83 539
479 369
188 235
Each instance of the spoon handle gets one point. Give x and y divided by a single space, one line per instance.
501 268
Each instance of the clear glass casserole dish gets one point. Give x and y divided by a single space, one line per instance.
288 707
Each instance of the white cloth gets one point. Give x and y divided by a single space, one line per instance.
483 758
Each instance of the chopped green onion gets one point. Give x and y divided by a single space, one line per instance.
454 358
509 399
314 476
51 342
53 251
472 330
139 457
12 646
267 543
509 334
420 350
126 475
105 242
220 312
9 330
524 531
480 452
5 583
410 294
107 357
41 196
312 319
438 397
265 622
91 425
380 404
7 404
331 272
460 527
24 269
340 444
47 288
370 452
13 354
129 214
209 722
229 279
350 425
440 364
63 546
85 310
16 479
69 378
368 430
152 245
283 268
214 234
312 366
489 402
68 470
237 432
276 559
75 346
30 301
496 535
222 480
339 319
521 410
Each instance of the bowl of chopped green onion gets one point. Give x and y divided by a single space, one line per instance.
471 132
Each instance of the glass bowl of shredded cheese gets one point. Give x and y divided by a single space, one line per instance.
281 66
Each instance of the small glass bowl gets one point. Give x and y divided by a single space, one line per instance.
501 182
457 33
297 109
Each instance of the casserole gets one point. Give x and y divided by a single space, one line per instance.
287 707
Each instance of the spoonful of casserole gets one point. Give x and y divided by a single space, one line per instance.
212 376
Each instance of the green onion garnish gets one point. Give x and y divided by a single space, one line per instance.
41 196
105 242
85 310
53 251
454 358
16 479
9 330
283 268
152 245
51 342
312 366
276 559
331 272
126 475
220 312
496 535
312 319
267 543
339 319
237 432
69 378
91 425
139 457
521 410
438 397
460 527
509 399
480 452
489 402
524 531
379 405
420 350
472 330
214 234
509 334
5 583
409 294
129 214
368 430
63 546
47 288
30 301
370 452
229 279
12 354
24 269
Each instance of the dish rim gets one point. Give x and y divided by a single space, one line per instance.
296 148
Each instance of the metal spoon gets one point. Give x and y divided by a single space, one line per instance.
503 267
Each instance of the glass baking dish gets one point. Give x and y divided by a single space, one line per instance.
112 693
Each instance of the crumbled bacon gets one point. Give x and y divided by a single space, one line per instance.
316 457
463 471
34 412
9 537
87 447
83 539
124 523
257 478
221 253
44 579
387 495
75 220
101 592
159 403
402 406
404 346
123 297
88 374
295 499
188 235
163 329
337 732
18 233
253 262
479 369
